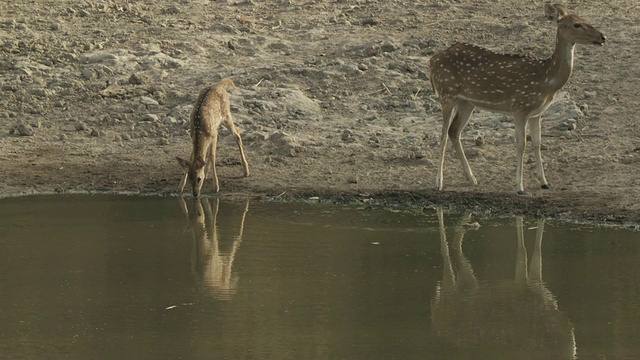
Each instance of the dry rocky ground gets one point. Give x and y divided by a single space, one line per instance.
334 101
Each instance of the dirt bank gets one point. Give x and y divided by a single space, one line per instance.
333 102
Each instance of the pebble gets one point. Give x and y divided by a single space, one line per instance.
150 117
145 100
81 126
135 79
348 136
25 130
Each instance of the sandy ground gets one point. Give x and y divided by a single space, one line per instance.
334 102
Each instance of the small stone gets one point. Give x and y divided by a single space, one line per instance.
62 137
24 130
145 100
163 141
81 126
150 117
135 79
473 153
88 73
125 136
352 180
363 67
95 133
479 139
170 120
348 136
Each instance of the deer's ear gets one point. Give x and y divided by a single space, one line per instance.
184 163
555 12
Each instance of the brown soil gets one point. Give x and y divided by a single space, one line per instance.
333 102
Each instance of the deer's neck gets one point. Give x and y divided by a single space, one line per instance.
560 63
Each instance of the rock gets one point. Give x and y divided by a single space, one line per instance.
24 130
285 144
348 136
170 120
95 133
81 126
473 153
88 73
297 102
163 141
150 117
125 136
135 79
99 57
145 100
22 27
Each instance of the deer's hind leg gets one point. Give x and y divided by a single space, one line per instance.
464 110
212 160
228 123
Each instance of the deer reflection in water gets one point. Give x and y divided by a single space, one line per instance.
211 266
515 319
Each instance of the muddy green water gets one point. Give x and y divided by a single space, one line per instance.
107 277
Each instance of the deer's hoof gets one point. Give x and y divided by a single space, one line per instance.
546 186
521 192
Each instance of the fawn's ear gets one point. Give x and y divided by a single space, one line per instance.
184 163
555 12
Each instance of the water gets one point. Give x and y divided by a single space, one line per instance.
104 277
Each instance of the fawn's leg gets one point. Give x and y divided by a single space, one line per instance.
212 159
228 123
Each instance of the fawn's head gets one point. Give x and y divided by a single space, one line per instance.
196 173
572 27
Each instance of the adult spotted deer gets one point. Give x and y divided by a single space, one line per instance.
211 110
466 76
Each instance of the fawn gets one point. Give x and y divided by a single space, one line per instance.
210 111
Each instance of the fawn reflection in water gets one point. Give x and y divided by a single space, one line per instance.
211 266
514 319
